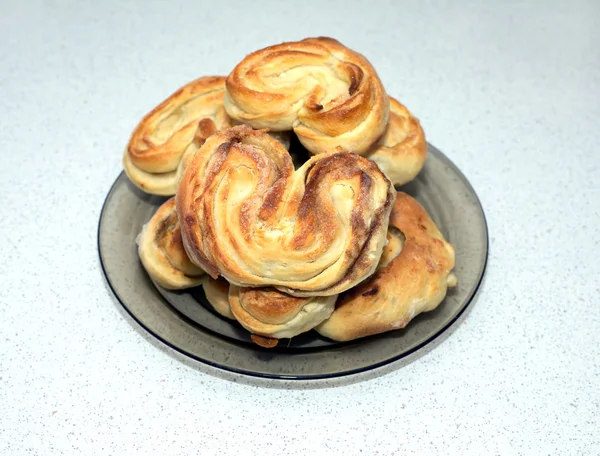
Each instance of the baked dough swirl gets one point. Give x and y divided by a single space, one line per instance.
414 278
161 251
248 216
177 126
328 94
271 313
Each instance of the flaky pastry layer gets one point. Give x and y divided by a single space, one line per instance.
269 312
161 251
248 216
327 93
402 150
153 158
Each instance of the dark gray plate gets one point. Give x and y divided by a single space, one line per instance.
185 321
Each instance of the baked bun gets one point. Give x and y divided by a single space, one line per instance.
402 150
328 94
178 126
217 294
270 313
413 282
248 216
162 254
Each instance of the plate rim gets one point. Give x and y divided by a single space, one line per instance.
241 371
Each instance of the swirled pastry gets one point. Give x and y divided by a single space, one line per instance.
177 126
328 94
415 281
248 216
217 294
270 313
402 150
161 251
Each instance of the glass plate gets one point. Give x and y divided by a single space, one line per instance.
185 321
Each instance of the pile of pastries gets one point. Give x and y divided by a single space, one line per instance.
279 246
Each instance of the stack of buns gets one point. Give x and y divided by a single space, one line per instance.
328 244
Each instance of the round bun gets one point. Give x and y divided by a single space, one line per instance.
177 126
328 94
271 313
415 281
248 216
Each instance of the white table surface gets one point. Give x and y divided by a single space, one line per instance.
509 91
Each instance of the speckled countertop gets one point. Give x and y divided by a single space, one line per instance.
509 91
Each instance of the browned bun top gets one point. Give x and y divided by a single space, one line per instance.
270 305
247 215
272 313
182 121
327 93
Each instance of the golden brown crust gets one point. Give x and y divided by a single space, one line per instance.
177 126
327 93
265 342
415 281
247 215
161 251
402 150
272 313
